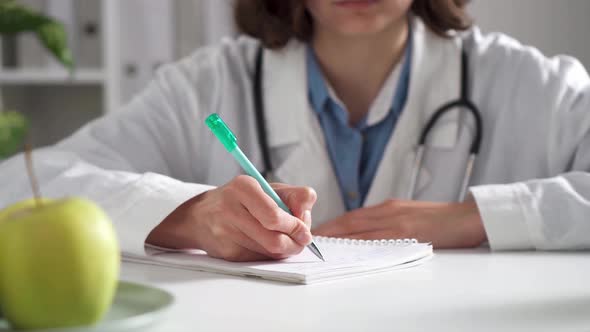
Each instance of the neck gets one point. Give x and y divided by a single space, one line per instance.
356 67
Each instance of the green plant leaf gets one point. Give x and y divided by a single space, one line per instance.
53 36
15 18
13 129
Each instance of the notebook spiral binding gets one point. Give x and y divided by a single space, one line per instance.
355 242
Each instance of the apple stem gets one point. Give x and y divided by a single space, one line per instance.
31 172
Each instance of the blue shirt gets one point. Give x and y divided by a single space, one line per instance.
356 151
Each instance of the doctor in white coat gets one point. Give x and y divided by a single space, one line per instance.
330 71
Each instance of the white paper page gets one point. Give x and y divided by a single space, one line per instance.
342 257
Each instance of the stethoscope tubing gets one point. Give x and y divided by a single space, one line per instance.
463 103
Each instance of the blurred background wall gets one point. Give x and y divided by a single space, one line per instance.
119 44
555 27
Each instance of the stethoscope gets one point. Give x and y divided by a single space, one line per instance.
462 103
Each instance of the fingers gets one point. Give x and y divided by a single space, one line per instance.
237 253
252 250
396 230
267 212
307 218
392 232
271 243
244 223
239 222
298 199
327 229
229 243
345 224
368 219
245 239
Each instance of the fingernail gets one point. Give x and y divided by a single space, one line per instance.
306 217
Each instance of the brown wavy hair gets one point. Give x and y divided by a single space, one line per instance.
275 22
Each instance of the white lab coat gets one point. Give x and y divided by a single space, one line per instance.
531 179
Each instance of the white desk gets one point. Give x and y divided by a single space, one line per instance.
455 291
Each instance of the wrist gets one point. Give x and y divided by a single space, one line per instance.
470 221
474 222
176 231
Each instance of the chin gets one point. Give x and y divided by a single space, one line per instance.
361 27
360 30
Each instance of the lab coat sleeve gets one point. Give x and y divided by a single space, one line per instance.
125 162
551 213
544 214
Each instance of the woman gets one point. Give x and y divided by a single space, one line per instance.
347 87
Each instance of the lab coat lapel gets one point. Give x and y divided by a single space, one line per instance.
434 81
297 148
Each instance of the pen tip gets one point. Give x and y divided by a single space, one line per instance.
319 254
316 251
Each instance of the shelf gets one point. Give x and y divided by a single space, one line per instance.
50 77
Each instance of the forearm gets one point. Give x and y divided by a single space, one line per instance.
171 232
135 202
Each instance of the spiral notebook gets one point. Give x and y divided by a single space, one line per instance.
344 258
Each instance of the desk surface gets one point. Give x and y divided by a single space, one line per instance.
455 291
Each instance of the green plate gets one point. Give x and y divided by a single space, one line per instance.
135 308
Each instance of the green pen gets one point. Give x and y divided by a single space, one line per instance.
227 138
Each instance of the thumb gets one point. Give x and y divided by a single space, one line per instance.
297 199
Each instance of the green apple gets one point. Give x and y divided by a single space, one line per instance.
59 263
23 205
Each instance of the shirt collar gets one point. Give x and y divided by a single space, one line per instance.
319 94
394 91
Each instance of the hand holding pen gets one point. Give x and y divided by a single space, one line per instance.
241 222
